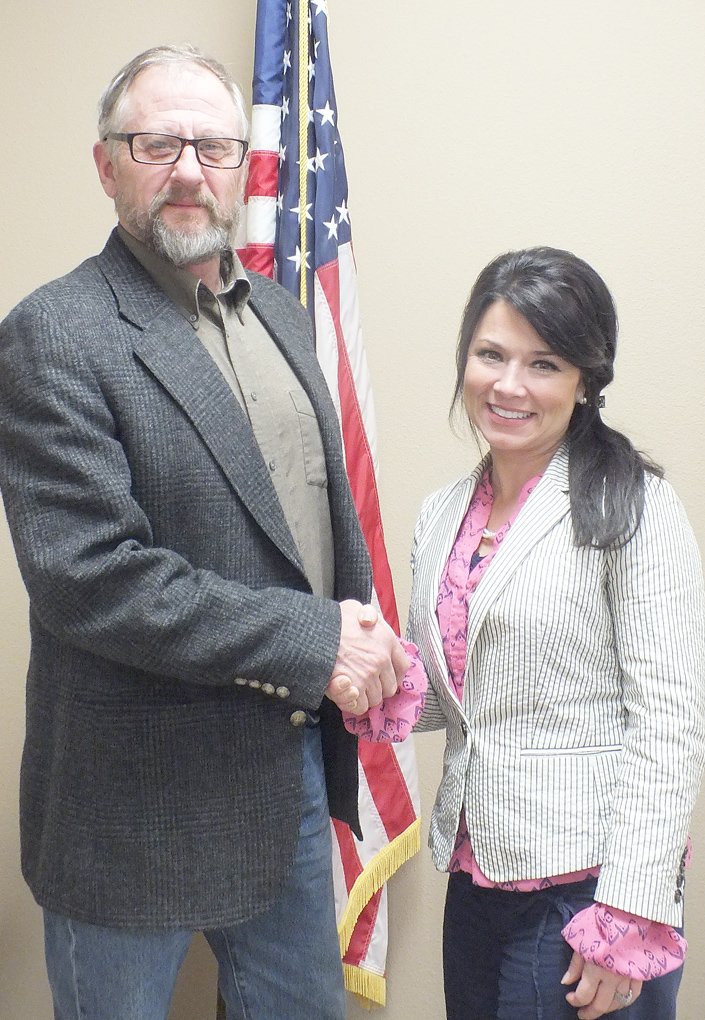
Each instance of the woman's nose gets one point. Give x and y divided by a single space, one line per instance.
510 380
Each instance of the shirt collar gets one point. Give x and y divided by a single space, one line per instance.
182 286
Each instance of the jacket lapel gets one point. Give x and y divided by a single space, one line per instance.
171 351
548 504
441 535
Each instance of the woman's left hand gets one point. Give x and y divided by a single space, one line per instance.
598 991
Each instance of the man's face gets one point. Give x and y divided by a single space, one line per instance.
185 211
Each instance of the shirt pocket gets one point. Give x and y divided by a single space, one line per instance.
311 444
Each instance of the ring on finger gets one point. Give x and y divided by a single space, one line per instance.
623 999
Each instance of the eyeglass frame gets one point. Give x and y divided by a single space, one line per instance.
129 137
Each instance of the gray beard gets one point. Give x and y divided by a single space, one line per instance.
187 249
181 247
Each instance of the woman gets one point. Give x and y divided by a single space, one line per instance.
558 609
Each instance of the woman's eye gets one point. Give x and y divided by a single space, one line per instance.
486 354
546 366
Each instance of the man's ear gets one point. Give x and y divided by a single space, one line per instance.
106 168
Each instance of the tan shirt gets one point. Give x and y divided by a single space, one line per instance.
280 413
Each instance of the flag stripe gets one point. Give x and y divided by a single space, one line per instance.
388 787
262 175
352 866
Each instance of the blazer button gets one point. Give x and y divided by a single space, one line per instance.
240 681
255 684
297 718
267 688
283 692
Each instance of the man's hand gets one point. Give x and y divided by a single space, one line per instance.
598 991
370 662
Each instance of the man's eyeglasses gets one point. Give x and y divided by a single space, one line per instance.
161 150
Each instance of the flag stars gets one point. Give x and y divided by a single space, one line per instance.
287 60
296 259
321 7
297 209
280 203
282 153
285 107
327 114
288 13
332 228
319 159
311 69
317 162
344 213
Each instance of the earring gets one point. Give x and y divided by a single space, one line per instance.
583 399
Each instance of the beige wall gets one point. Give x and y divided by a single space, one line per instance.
469 128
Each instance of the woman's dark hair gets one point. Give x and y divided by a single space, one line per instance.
572 310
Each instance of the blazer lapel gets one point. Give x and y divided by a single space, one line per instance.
441 535
169 348
548 504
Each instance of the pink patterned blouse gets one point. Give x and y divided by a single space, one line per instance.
631 946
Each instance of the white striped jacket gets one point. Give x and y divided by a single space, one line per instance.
581 736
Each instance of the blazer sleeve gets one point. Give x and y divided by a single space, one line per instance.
95 576
655 588
418 630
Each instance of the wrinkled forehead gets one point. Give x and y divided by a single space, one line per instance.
161 96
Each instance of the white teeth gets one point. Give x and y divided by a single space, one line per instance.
509 414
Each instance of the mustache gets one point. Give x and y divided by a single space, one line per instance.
163 198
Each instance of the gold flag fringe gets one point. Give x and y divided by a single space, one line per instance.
371 988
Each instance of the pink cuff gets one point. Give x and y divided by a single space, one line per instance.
628 945
394 719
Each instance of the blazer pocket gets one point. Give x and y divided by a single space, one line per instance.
576 752
311 443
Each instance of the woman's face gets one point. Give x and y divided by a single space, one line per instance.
517 392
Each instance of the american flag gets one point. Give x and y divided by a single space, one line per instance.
294 100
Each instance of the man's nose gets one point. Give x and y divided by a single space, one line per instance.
187 167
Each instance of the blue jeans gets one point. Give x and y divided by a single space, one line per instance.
504 955
281 965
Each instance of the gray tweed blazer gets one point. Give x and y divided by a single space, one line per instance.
157 792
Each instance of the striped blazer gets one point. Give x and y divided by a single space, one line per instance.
580 738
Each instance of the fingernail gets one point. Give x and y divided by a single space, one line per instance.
564 979
368 615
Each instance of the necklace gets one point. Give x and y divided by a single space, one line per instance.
486 533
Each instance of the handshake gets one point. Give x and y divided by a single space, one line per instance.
370 663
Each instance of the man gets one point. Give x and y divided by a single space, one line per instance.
175 487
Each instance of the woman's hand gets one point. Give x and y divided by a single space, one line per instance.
598 991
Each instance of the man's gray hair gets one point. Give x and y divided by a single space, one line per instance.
112 100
